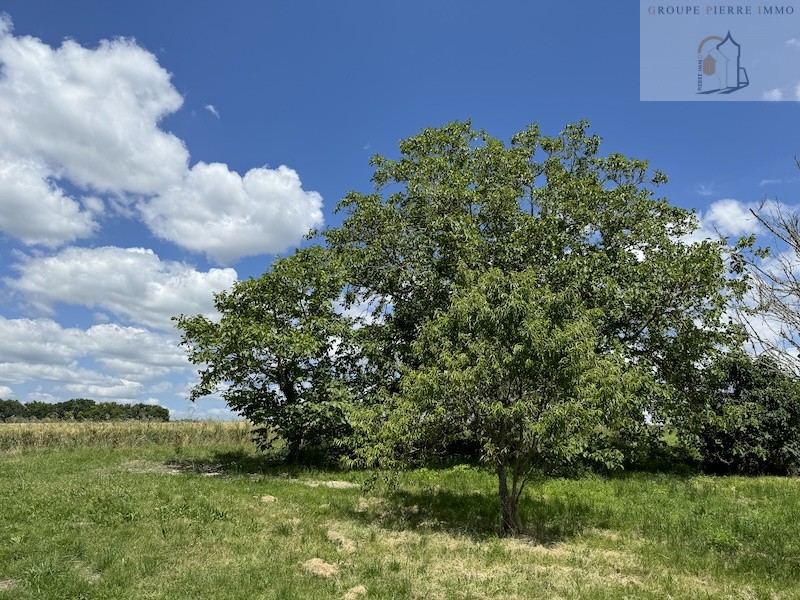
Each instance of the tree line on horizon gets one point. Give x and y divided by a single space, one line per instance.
79 409
534 305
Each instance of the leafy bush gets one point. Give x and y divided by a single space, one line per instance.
751 421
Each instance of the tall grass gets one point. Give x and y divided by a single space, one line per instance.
37 436
217 521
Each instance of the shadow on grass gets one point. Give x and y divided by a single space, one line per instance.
473 514
241 462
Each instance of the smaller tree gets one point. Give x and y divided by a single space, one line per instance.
277 351
751 421
515 365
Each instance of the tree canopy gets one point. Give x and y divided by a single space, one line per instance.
278 352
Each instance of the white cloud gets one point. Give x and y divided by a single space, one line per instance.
94 205
797 92
34 209
118 359
18 373
793 43
216 211
727 218
132 283
6 393
40 396
132 352
123 390
88 119
40 340
93 113
127 352
773 95
730 217
705 189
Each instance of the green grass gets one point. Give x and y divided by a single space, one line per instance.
205 517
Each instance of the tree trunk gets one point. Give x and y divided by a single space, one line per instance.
293 450
509 505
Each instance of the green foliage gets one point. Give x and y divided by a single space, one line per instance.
525 296
12 409
750 422
278 352
515 365
80 409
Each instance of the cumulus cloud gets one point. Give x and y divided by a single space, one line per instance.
92 113
133 352
123 390
5 392
88 119
131 283
18 373
35 341
218 212
36 350
730 217
727 218
124 351
34 209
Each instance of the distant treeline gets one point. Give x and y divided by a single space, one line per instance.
80 409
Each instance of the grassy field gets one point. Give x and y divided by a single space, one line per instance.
187 510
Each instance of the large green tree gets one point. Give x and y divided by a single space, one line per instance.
458 226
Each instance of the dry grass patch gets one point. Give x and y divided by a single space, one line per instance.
87 573
8 584
511 567
145 466
355 592
333 484
320 568
343 543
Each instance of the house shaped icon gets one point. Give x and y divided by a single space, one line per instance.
709 65
731 74
719 67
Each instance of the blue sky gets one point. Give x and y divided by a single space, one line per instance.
152 153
